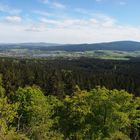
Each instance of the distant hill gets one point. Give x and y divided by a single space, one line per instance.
27 45
119 45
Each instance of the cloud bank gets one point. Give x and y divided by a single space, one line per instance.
96 27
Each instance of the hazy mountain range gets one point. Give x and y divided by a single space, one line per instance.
119 46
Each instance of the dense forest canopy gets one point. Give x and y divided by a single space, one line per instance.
56 76
67 100
99 114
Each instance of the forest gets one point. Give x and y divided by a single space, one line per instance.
78 99
60 76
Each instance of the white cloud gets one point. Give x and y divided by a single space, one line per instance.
8 9
36 28
98 20
50 21
13 19
42 13
54 4
99 28
58 5
81 11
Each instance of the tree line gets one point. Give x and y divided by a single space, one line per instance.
59 77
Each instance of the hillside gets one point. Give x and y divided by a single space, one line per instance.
119 45
121 50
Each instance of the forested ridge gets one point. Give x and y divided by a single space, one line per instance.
56 76
117 45
69 99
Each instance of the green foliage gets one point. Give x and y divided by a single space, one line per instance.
59 77
118 136
35 111
69 85
99 114
7 115
2 90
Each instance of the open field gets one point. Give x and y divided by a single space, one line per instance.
100 54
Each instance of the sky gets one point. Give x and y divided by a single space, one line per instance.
69 21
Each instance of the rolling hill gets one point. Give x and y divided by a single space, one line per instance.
119 46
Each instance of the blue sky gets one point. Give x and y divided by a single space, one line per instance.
69 21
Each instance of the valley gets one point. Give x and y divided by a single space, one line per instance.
113 50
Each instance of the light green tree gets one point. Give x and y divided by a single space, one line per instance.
35 111
2 90
99 114
8 113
